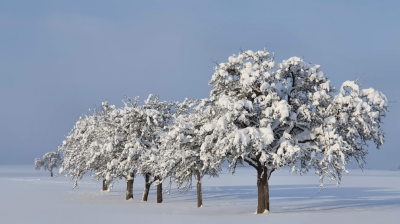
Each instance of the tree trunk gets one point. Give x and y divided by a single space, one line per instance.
263 190
199 194
159 193
104 185
266 190
51 173
146 187
129 187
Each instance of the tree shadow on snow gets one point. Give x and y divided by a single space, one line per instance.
300 198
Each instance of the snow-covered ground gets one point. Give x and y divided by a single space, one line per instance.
30 196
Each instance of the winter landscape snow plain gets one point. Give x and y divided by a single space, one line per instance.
31 196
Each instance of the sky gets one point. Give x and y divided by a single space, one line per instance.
60 58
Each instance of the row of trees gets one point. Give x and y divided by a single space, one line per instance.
266 115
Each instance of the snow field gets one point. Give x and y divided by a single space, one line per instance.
30 196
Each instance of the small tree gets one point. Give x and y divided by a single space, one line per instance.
286 115
50 161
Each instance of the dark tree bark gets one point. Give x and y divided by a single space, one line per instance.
263 190
146 187
51 173
104 185
199 194
266 190
159 193
129 187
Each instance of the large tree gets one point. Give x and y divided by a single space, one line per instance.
271 116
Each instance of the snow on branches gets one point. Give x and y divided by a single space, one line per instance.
266 114
50 161
272 116
286 115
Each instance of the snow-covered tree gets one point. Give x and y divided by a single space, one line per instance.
88 148
158 117
181 148
271 116
267 115
50 161
114 134
132 135
77 145
113 144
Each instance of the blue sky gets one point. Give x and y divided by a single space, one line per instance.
58 59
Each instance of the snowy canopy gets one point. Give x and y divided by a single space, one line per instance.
266 114
287 115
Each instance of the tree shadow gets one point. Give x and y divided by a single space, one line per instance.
300 198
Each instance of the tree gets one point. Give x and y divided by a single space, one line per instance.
50 161
134 138
286 115
81 141
115 143
181 148
158 116
114 134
